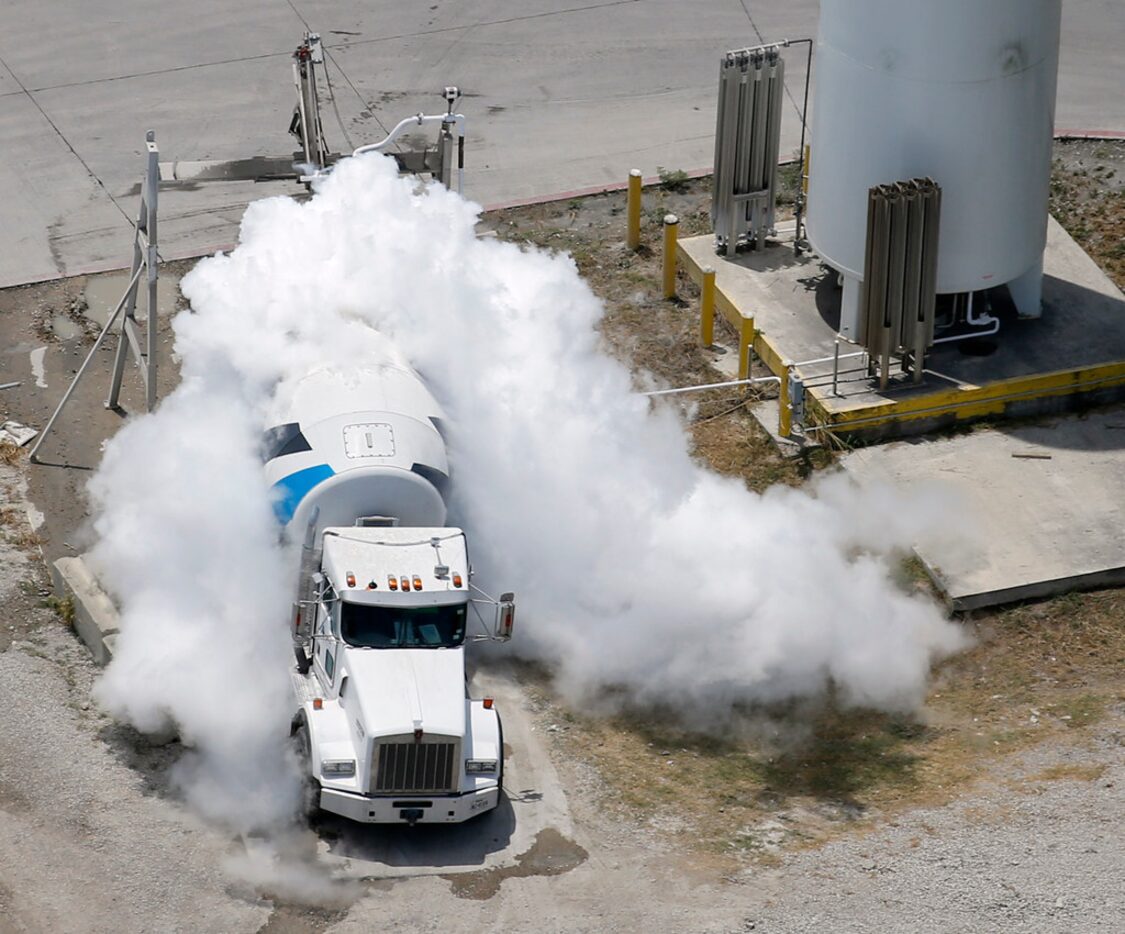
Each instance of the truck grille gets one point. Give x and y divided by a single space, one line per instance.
416 768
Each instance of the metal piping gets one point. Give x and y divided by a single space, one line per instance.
416 120
735 382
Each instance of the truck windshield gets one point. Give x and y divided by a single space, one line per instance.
387 627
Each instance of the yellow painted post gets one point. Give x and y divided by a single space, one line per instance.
707 308
671 228
805 171
633 236
745 345
784 411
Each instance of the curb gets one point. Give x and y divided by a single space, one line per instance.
95 617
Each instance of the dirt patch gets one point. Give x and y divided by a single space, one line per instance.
301 919
1088 199
551 854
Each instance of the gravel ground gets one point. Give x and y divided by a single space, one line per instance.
1024 854
89 840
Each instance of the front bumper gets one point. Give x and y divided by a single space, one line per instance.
407 809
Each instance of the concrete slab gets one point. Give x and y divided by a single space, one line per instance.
1047 502
1046 365
561 96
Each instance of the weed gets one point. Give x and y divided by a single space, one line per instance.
673 179
26 538
10 454
63 607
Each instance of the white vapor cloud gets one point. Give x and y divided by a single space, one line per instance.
635 567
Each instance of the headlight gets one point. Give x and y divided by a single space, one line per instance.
338 767
480 765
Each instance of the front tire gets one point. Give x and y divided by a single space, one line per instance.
310 791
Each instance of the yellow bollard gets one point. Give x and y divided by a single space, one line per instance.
707 308
745 345
671 228
784 410
633 236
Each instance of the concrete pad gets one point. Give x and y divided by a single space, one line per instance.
1043 506
95 617
1039 366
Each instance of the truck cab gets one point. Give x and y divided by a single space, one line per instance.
385 721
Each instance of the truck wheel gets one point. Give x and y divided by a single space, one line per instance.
310 800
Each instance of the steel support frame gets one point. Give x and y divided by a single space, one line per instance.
145 258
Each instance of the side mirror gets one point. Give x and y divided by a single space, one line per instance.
505 617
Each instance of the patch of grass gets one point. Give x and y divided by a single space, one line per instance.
788 182
1080 711
673 179
847 755
63 607
1071 771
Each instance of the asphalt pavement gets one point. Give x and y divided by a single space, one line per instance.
560 96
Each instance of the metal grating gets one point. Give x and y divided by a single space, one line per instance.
416 768
747 134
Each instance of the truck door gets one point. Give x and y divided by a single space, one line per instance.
324 646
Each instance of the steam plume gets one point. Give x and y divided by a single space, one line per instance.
635 567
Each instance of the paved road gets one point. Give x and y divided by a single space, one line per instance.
564 94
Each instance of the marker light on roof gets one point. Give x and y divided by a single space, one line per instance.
392 582
350 579
405 583
456 580
417 582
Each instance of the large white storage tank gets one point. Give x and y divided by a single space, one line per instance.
961 91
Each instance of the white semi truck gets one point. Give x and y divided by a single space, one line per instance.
382 717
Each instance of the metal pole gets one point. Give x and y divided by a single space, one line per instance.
800 206
633 234
745 345
725 385
707 308
671 228
152 261
784 411
836 367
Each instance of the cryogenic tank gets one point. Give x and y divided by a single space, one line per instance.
346 445
961 91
